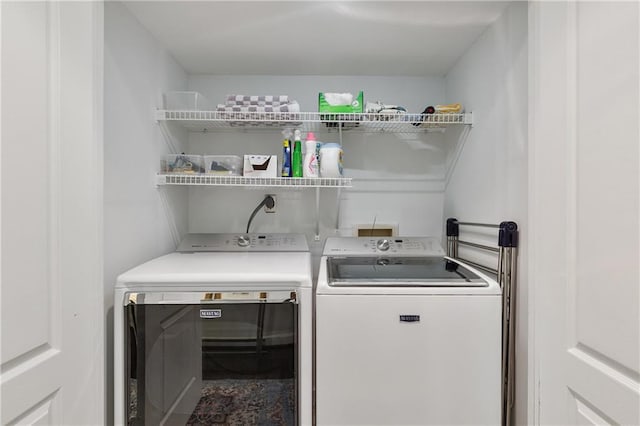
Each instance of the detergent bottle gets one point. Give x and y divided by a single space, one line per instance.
286 154
310 164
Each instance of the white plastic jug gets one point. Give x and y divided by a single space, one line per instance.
310 163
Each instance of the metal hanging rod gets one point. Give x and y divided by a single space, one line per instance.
480 246
478 266
483 225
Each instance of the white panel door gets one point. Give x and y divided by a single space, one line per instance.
584 197
52 316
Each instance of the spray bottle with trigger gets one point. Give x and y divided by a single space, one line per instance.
286 153
296 157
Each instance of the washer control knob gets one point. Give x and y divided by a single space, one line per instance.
383 245
244 241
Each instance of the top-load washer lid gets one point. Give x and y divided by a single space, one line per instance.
432 271
243 243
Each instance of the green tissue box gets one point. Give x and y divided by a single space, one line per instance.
357 104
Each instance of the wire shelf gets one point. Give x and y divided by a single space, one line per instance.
210 180
379 122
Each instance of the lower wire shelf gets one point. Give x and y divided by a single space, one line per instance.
213 180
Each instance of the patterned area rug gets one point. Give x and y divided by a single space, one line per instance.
133 401
245 402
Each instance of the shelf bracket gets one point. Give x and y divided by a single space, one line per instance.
338 202
468 118
168 137
317 235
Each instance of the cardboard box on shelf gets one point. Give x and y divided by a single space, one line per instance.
260 165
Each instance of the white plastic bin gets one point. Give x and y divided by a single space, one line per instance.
225 165
182 163
185 101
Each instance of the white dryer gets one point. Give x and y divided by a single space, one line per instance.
218 332
405 336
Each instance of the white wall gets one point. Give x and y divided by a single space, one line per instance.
140 221
488 176
398 179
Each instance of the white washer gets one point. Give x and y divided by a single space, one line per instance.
405 336
235 296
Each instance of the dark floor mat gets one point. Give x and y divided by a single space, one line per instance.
245 402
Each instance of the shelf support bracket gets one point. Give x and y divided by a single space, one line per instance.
317 235
338 201
168 137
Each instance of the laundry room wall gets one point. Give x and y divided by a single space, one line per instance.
486 177
140 221
398 179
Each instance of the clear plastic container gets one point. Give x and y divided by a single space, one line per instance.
185 101
182 163
226 165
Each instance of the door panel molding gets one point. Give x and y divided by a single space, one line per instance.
588 414
24 358
42 413
32 361
614 393
610 364
26 386
15 365
27 265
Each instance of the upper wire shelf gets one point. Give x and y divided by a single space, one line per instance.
212 180
203 121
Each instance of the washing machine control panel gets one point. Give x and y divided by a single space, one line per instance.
243 242
387 245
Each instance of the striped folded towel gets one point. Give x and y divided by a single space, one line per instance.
257 103
242 100
291 107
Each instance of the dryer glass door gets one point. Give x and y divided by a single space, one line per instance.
212 358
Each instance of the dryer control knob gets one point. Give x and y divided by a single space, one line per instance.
383 245
244 241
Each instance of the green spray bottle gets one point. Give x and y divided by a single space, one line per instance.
296 158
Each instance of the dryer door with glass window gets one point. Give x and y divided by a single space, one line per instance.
209 358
